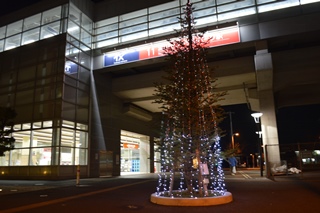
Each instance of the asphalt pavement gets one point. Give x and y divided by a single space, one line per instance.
251 193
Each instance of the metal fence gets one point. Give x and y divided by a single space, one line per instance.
301 159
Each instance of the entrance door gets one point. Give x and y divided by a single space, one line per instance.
135 152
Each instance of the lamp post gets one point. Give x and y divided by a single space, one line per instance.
256 116
232 138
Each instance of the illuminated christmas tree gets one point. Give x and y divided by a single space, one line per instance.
190 144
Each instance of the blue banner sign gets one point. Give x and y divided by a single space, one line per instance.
120 57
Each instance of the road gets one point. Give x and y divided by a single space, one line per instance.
251 193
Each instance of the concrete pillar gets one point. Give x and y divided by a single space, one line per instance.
264 73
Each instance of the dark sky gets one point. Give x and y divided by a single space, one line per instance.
12 5
298 124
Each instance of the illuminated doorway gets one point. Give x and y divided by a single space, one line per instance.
135 153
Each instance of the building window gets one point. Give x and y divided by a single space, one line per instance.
35 145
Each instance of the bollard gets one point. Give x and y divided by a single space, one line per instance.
78 175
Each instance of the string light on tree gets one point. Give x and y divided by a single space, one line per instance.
190 143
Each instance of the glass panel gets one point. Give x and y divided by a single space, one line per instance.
67 137
81 157
73 41
82 114
41 156
131 22
68 124
82 126
50 30
136 28
68 111
42 137
12 42
27 73
21 111
32 22
277 6
207 20
84 75
2 45
30 36
2 32
70 81
14 28
204 4
206 12
107 28
71 68
74 14
22 139
66 156
237 13
72 52
86 23
86 38
265 1
4 160
44 93
163 22
134 14
83 98
219 2
135 36
43 111
84 47
107 35
84 59
167 13
24 97
51 15
235 6
166 29
19 157
69 93
47 124
74 30
106 43
36 125
83 86
26 126
81 139
17 127
106 22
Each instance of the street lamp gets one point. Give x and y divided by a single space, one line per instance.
232 138
256 116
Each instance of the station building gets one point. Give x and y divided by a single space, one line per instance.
79 74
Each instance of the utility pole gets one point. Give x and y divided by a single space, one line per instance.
231 129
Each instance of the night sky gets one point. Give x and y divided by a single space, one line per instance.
295 124
298 124
9 6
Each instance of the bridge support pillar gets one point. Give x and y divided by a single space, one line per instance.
264 74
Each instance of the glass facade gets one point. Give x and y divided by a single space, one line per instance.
138 25
49 89
162 19
37 144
